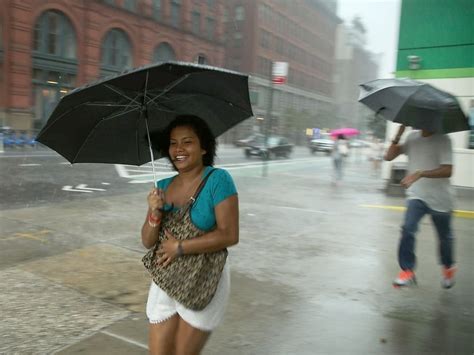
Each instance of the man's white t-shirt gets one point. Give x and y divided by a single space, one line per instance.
428 153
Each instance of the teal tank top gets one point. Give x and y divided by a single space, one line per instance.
219 186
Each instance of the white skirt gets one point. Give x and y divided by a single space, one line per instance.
161 307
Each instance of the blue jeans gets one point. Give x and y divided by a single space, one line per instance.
416 209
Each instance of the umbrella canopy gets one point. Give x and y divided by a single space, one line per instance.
347 132
413 103
109 121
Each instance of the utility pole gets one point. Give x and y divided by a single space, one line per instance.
278 76
268 125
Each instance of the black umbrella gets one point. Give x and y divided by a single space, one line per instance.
414 104
110 120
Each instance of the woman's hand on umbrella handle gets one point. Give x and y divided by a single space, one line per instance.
156 200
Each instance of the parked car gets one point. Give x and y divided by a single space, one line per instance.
276 147
323 144
253 139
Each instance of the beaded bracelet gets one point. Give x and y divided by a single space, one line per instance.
153 221
153 218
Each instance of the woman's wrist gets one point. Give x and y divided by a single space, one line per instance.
156 213
153 221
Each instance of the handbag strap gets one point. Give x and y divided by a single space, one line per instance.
201 186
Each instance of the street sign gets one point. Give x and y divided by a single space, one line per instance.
279 72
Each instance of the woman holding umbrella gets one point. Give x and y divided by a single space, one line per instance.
339 153
178 324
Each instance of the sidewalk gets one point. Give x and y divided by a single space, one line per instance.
311 275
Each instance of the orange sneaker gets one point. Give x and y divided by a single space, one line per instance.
448 276
405 278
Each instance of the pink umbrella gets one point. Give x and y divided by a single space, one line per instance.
346 132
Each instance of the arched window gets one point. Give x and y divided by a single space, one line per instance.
116 52
54 35
201 59
163 52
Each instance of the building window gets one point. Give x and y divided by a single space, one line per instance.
196 22
163 53
265 39
110 2
175 13
226 15
116 51
237 40
49 86
201 59
130 5
239 13
211 4
210 28
54 35
157 10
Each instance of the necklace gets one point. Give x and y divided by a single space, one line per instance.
192 185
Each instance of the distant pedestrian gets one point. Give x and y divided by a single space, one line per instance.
376 155
339 152
428 187
192 218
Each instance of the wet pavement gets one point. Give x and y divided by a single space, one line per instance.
311 275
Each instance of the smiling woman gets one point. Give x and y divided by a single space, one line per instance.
192 218
192 131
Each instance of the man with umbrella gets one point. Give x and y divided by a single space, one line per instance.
433 114
428 189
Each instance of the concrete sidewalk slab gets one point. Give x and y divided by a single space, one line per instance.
112 274
40 316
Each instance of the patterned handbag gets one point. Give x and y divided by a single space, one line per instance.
191 279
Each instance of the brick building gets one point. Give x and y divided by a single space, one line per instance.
355 64
48 47
300 32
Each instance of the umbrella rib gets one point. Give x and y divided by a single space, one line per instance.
132 100
114 115
169 87
105 104
93 130
71 110
408 98
120 93
191 95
